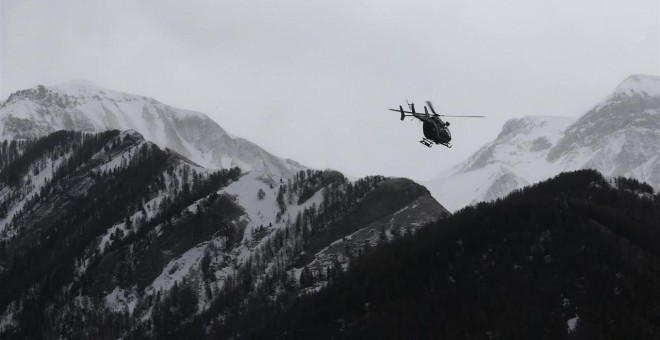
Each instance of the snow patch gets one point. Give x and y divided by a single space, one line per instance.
177 269
572 323
473 186
121 300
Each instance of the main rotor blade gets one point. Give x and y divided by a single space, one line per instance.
430 106
458 116
408 112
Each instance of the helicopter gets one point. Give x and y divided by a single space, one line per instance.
435 129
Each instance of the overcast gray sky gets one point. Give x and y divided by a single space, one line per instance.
312 80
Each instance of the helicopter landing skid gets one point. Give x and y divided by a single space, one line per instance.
429 143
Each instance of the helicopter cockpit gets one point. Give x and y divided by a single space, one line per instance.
437 131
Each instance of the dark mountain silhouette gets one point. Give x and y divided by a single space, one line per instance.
574 257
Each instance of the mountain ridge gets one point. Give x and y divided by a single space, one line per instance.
640 83
83 106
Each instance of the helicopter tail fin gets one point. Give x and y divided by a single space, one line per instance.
403 115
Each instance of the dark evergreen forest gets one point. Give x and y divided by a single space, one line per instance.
52 231
577 245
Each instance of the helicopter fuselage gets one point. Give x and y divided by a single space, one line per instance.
436 131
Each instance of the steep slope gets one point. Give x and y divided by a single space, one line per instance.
618 137
106 236
69 201
82 106
575 257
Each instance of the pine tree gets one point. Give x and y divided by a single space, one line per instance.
280 199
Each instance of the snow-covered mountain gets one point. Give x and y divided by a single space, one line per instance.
618 137
83 106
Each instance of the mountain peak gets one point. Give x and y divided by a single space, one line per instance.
640 84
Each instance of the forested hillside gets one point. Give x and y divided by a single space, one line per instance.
109 236
574 257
